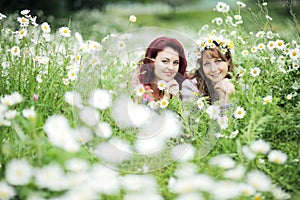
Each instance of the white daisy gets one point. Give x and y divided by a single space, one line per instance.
132 18
161 84
255 71
260 146
18 172
267 99
65 32
277 157
45 27
100 99
239 113
163 103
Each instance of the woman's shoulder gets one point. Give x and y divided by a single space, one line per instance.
190 83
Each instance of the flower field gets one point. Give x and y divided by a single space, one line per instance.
70 127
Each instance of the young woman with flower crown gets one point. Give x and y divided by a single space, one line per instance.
161 71
212 77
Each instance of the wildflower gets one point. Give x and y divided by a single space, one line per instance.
103 130
73 98
241 4
43 60
246 189
29 113
248 153
245 52
277 157
18 172
213 111
183 152
218 21
222 161
22 33
261 46
260 34
267 99
121 44
255 71
289 96
58 132
239 113
140 90
223 121
114 151
271 45
10 114
132 18
150 146
222 7
77 165
133 183
24 22
163 103
100 99
294 54
235 173
6 191
51 177
259 180
45 27
278 193
65 32
260 146
72 75
15 51
2 16
35 97
25 12
253 49
161 84
200 103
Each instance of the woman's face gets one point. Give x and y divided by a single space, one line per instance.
166 64
215 69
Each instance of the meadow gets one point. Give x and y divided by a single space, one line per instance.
70 128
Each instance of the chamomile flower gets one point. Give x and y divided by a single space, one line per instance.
223 121
277 157
260 34
132 18
22 33
6 191
18 172
222 7
280 44
29 113
24 22
103 130
72 75
163 103
267 100
161 84
255 71
294 54
45 27
245 52
64 32
259 180
140 90
239 113
260 146
213 111
253 49
100 99
121 45
271 45
200 103
241 4
15 51
73 98
261 46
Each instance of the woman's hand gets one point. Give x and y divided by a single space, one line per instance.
172 88
224 89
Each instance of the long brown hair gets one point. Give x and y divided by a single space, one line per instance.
204 85
146 65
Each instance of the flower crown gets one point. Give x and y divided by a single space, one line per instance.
213 42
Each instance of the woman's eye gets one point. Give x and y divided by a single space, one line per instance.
206 64
165 61
176 63
219 60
